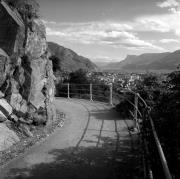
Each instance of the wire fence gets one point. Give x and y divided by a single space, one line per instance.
91 92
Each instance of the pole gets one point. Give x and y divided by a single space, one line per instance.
111 95
136 111
135 106
91 96
68 90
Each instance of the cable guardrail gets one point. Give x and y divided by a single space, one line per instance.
152 149
93 92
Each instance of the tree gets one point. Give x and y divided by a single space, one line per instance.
150 80
167 123
79 84
78 77
56 63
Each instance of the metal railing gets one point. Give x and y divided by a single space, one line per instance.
152 147
155 164
92 92
155 158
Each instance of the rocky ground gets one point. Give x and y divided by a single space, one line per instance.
40 133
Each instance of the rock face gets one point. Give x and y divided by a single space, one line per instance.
8 137
27 80
11 38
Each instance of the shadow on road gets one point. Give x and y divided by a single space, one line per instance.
106 162
110 158
104 114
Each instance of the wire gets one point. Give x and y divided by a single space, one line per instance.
79 89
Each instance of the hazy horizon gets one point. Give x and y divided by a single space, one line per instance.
111 30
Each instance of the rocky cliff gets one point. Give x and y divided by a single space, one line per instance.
27 80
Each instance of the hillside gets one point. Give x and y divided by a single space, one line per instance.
147 62
69 60
170 61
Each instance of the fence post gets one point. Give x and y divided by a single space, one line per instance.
136 110
111 94
68 90
135 106
91 97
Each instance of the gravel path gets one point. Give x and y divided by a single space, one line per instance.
94 143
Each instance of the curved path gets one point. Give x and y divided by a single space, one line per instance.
93 144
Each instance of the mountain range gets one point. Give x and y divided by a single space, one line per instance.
68 60
155 62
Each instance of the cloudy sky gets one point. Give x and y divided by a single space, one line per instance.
111 29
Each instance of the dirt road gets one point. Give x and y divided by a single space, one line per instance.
93 144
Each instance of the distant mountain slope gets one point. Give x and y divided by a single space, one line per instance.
169 62
69 60
143 62
147 62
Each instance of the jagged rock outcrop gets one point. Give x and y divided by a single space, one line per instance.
27 80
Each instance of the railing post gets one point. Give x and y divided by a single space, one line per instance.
136 106
68 90
111 94
136 110
91 96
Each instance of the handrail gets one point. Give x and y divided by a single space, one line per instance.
158 145
164 164
160 151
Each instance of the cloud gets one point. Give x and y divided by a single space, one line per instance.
168 3
141 44
172 5
122 34
159 23
106 59
130 41
52 32
166 41
168 22
49 22
102 33
92 25
152 23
